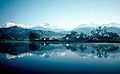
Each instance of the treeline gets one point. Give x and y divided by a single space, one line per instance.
100 33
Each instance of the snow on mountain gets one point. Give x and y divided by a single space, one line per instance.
48 27
87 28
93 25
45 27
113 24
58 28
9 24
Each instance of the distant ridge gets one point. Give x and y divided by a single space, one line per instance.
18 33
86 28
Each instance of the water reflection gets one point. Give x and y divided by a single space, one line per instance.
95 50
84 50
16 50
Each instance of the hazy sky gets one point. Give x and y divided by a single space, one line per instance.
59 12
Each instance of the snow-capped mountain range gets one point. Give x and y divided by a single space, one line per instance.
44 27
10 24
58 28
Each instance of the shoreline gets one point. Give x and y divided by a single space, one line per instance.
60 42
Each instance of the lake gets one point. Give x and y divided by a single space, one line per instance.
72 58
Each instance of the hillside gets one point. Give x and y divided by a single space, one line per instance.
18 33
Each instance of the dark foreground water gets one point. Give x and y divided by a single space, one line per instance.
84 58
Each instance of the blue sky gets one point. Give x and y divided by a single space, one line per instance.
67 13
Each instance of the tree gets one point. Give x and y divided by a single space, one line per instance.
34 36
113 35
104 31
73 35
100 32
83 35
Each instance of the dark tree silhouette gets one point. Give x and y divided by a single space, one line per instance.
83 35
34 36
100 32
113 35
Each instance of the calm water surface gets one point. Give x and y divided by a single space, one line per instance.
87 58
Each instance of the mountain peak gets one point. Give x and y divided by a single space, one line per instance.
10 24
59 28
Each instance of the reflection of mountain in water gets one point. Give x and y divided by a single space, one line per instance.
47 50
95 50
13 50
85 50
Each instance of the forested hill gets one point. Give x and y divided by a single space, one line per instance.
18 33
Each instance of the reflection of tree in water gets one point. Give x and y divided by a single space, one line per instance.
18 48
75 48
71 48
41 47
45 50
83 47
34 46
14 48
101 50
